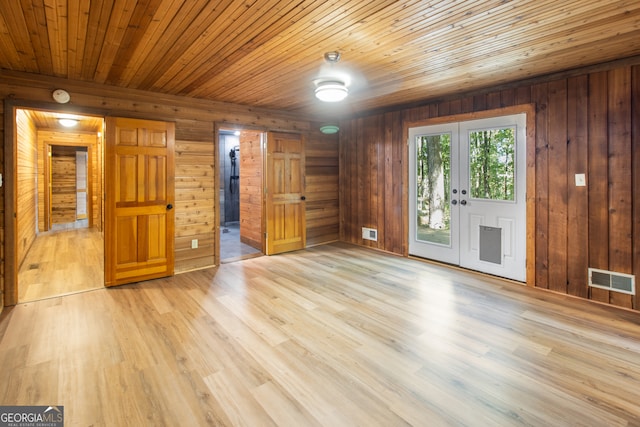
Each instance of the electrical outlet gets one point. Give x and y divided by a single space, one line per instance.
580 180
194 244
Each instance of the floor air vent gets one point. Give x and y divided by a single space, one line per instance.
618 282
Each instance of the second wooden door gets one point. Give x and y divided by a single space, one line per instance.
285 200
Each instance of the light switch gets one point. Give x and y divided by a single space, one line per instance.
580 180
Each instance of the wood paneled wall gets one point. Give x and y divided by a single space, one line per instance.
251 193
195 195
63 185
587 123
27 173
321 187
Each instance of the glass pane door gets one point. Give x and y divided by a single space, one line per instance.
493 210
433 223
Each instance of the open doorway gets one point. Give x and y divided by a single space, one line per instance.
240 194
59 212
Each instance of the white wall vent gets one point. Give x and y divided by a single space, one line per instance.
370 234
610 280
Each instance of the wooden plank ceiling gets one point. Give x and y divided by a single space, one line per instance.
267 53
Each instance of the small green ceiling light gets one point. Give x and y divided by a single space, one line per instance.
329 129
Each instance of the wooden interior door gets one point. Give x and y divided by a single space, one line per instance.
285 207
139 228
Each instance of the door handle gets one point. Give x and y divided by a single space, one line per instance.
169 206
454 202
463 202
303 198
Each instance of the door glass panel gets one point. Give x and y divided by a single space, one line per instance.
492 164
433 188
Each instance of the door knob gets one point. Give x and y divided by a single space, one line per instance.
454 202
463 202
169 206
303 198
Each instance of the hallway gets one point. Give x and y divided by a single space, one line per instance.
62 262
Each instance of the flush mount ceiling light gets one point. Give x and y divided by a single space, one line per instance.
68 123
331 91
329 129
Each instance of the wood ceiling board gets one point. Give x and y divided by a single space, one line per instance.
266 53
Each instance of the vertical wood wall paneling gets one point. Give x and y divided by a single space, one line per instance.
635 147
194 195
321 188
26 151
251 193
587 124
578 197
597 181
378 187
395 217
620 178
540 98
557 171
367 206
346 141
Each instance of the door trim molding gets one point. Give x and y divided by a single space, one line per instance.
530 111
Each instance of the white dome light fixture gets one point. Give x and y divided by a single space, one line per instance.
68 123
331 91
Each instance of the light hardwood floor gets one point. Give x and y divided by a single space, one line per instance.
334 335
60 262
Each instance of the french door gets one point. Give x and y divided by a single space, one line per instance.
467 194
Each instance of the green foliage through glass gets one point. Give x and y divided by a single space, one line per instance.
492 164
434 183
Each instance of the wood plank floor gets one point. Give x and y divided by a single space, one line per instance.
61 262
335 335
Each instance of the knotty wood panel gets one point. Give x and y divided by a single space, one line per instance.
63 185
583 124
195 204
26 183
597 182
578 197
251 183
321 188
